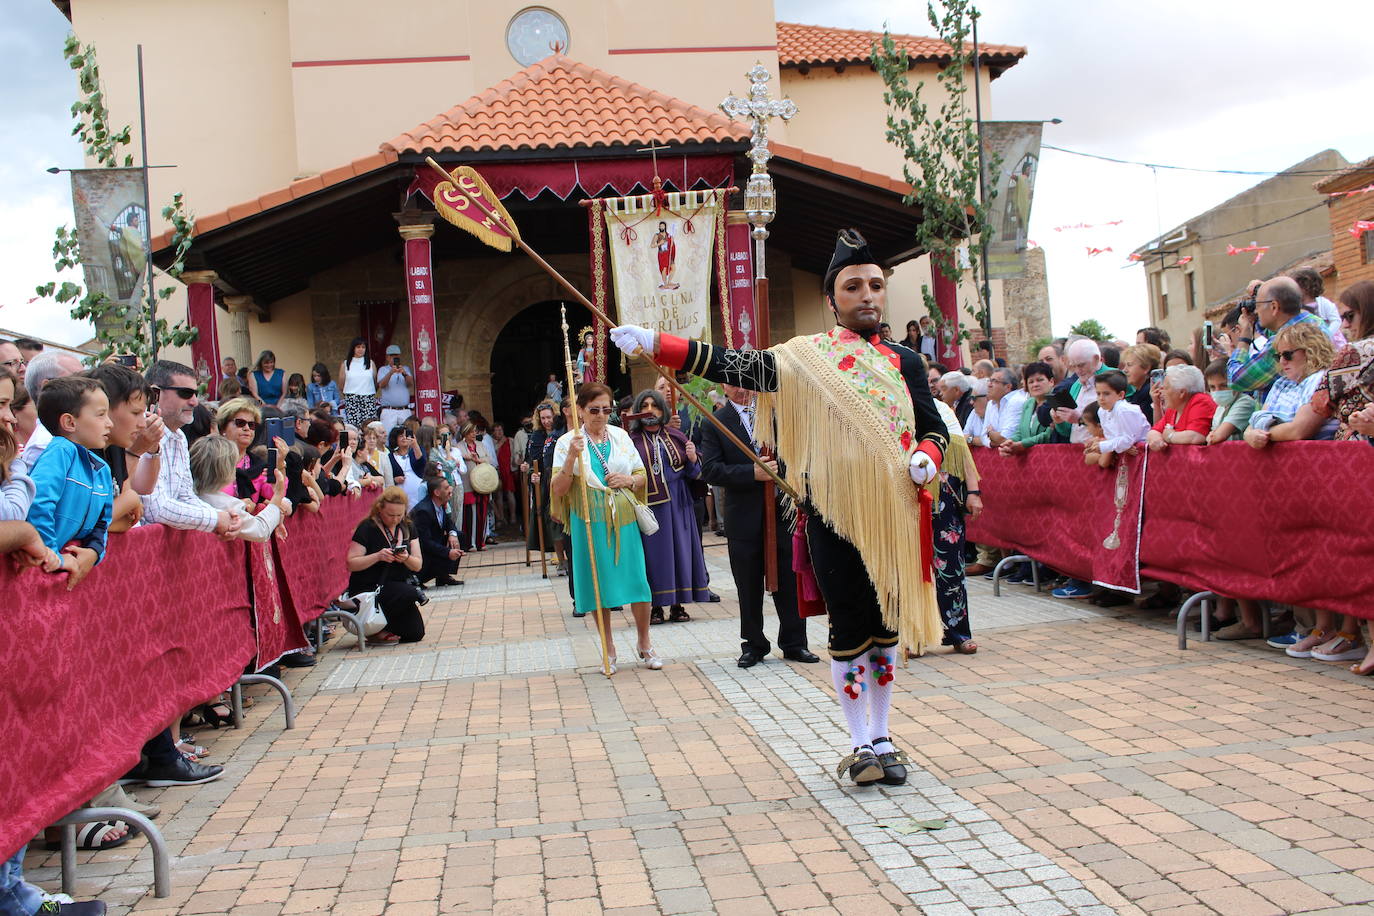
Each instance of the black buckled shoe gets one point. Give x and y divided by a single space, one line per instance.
893 764
863 767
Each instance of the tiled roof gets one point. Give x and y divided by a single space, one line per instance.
1360 172
559 103
801 45
554 104
301 187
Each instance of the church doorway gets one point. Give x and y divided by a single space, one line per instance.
529 349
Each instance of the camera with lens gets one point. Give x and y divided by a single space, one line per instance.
1248 305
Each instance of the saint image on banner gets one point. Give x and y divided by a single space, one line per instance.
667 256
662 251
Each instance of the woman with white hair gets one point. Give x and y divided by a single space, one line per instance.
214 462
1188 409
956 390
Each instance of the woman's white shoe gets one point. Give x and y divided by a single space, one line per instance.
650 660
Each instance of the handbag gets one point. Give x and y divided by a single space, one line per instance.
648 522
369 614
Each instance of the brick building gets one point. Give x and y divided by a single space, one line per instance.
1353 254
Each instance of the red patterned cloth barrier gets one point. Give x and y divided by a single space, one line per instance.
1291 523
310 561
87 676
163 624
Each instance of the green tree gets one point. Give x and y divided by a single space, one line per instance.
135 327
1091 328
940 149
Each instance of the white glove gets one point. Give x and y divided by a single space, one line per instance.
922 469
631 339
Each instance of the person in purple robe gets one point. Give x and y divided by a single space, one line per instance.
672 555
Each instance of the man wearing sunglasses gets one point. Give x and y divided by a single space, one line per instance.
174 502
1253 365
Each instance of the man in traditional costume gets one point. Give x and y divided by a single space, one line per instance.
852 417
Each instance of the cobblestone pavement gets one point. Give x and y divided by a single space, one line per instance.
1080 761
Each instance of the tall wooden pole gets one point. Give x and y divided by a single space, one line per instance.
539 523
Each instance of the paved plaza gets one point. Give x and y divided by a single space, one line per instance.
1079 763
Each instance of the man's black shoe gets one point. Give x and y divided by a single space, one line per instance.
801 655
749 658
182 772
299 660
446 582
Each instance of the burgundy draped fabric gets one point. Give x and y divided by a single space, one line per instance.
376 325
87 676
592 176
310 575
163 624
1290 523
274 615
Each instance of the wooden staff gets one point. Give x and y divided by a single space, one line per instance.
525 511
539 522
603 621
770 511
648 359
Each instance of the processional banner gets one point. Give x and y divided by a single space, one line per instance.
741 325
112 227
1014 147
661 248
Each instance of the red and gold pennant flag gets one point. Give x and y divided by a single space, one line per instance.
467 201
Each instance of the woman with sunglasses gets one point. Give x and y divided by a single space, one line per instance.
615 545
1348 387
1303 352
238 420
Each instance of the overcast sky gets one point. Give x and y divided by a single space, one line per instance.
1259 85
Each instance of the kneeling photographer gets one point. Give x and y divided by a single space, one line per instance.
384 558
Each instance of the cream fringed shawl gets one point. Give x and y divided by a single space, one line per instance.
845 428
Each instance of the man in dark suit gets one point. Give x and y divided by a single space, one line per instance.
438 536
725 465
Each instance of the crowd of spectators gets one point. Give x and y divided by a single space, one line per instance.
1285 365
87 454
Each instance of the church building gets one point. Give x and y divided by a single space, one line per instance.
299 130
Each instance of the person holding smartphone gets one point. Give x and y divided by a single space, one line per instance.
395 387
383 557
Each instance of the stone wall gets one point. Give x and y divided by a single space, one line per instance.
1026 303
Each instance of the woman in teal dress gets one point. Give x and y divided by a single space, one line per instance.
617 472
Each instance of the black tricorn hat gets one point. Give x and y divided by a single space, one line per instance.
850 249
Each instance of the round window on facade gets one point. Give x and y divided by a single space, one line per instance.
534 34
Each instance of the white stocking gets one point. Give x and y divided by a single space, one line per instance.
854 708
881 667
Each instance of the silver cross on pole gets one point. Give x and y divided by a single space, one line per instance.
760 201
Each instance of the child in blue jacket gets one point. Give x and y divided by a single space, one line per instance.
73 491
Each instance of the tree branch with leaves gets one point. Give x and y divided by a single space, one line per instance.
940 149
131 327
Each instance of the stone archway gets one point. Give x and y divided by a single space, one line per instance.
486 310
